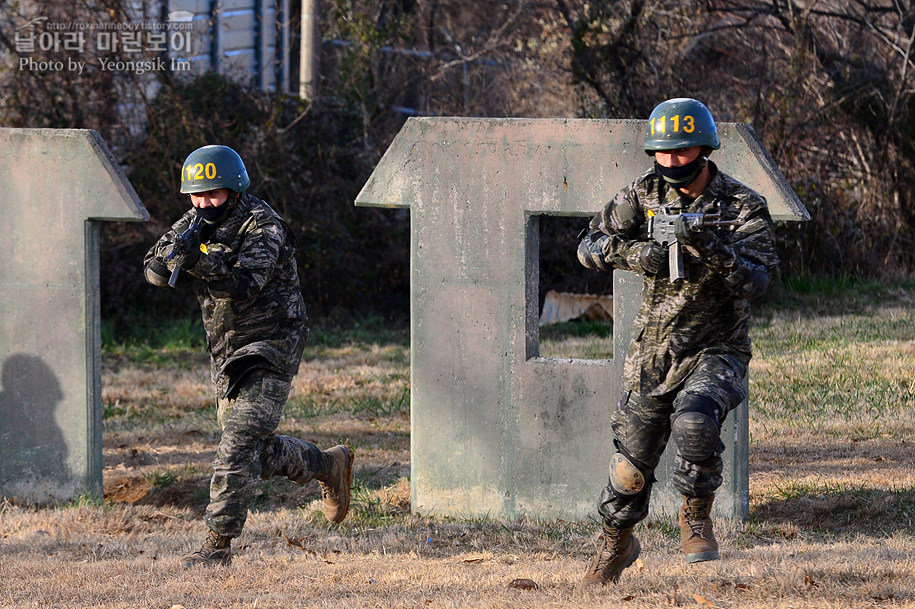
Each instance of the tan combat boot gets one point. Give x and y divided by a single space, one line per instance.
335 489
618 549
215 550
696 529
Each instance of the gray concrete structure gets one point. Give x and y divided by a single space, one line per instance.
57 186
498 430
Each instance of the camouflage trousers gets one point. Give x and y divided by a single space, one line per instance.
642 427
250 450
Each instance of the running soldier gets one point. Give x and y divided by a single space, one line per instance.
686 366
241 257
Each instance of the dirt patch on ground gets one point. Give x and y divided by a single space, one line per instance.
126 489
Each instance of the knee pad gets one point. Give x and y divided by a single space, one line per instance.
625 477
696 435
695 427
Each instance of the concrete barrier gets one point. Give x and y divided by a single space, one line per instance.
58 184
498 430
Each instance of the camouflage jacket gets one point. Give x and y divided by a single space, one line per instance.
678 323
248 289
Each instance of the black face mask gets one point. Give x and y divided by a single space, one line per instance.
215 215
684 174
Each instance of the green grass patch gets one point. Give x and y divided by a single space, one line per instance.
161 478
309 406
381 406
87 499
668 527
579 327
581 339
168 342
831 507
835 367
830 295
795 489
369 509
826 286
367 330
155 343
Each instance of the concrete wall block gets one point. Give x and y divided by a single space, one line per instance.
58 184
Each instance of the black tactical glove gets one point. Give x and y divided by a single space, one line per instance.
186 251
653 258
157 273
701 238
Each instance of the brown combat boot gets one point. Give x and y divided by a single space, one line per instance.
618 549
335 488
215 550
696 529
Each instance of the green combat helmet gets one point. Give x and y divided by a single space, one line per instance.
213 167
682 122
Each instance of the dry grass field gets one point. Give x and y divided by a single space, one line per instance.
832 489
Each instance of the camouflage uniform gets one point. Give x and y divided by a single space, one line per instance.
690 338
254 316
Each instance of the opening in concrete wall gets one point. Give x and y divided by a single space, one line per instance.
574 304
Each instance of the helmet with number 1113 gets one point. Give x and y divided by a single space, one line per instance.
678 123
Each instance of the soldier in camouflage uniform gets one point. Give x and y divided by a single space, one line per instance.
242 263
686 365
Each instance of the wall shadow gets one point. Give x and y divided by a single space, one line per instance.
33 453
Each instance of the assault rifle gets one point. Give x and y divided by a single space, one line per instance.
184 242
662 228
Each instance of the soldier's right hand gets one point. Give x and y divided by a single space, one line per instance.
186 252
653 258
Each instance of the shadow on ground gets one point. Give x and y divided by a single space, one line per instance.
839 512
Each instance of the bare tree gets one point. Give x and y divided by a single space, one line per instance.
827 83
840 74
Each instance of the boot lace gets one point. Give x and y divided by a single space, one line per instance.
695 513
609 548
214 544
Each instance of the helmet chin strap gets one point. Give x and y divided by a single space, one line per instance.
682 175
